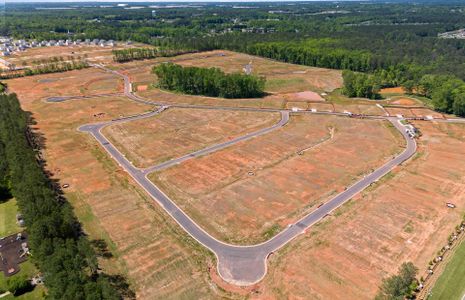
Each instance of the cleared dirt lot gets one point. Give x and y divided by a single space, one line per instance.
91 53
248 192
177 132
160 261
414 112
392 90
287 82
403 219
360 109
90 81
403 101
281 77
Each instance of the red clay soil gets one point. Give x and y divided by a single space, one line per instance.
404 218
88 81
308 96
141 88
392 90
252 187
148 247
405 102
177 132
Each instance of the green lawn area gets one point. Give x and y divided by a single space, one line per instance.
8 211
451 283
28 269
278 84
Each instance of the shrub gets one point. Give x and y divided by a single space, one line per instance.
400 286
18 284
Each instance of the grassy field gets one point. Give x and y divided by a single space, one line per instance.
8 212
451 284
28 269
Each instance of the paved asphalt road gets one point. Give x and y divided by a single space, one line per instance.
241 265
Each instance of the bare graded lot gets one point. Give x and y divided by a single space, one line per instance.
365 109
281 77
146 245
392 90
177 132
34 56
250 191
403 101
85 82
286 80
403 218
405 112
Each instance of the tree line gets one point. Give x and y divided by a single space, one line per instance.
208 82
316 53
51 66
126 55
60 249
5 193
360 85
447 92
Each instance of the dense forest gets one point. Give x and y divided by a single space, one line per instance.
59 248
348 35
208 82
5 192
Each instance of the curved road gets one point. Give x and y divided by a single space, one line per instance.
240 265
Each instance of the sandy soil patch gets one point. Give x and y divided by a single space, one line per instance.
91 53
405 102
360 109
423 112
297 105
406 112
404 219
272 101
88 81
321 106
177 132
141 88
308 96
252 189
392 90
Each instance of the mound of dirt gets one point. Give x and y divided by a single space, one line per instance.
141 88
405 102
308 96
392 90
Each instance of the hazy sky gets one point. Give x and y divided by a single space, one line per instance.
170 1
